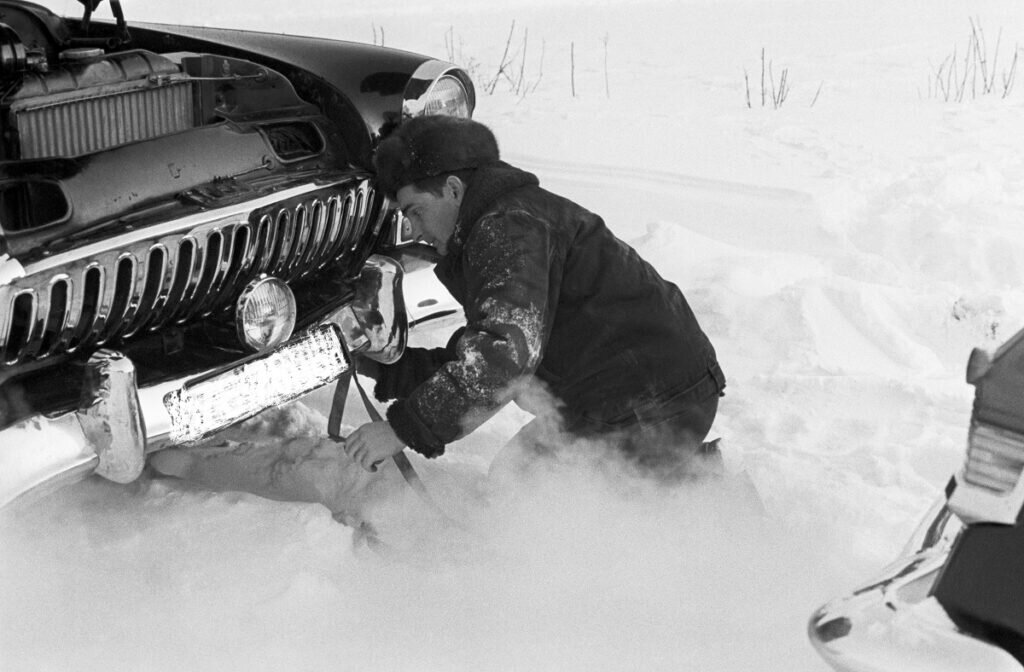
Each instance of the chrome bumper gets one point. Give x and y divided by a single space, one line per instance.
893 625
119 423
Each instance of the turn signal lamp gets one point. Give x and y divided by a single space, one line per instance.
265 314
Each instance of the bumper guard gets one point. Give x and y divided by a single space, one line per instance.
117 423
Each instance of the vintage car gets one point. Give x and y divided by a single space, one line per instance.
189 229
954 600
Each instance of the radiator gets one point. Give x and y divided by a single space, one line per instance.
78 126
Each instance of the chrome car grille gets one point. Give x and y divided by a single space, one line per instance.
179 271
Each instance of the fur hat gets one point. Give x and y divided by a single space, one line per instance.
432 145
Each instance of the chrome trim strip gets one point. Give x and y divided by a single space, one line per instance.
232 214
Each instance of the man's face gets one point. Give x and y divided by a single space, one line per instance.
431 217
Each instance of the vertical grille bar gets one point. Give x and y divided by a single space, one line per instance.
345 210
361 216
22 308
134 288
40 299
303 231
336 219
117 297
84 333
265 236
245 243
203 277
179 273
153 272
73 306
283 245
161 305
7 295
193 281
54 320
220 265
319 241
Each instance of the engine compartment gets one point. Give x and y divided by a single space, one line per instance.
92 130
143 181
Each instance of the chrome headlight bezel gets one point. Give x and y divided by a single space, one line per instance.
437 87
285 324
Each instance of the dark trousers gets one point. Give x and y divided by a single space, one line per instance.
662 439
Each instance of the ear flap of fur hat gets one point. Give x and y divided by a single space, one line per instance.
433 145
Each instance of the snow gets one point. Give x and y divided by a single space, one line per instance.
844 257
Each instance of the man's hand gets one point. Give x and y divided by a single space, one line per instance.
371 444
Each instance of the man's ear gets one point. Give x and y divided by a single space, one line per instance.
457 188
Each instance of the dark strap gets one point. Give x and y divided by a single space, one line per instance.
401 461
338 406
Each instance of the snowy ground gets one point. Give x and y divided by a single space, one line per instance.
844 257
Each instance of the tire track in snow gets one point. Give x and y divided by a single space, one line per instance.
787 219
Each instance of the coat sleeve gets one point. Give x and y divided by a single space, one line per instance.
398 380
511 273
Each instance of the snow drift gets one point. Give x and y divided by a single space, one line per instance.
844 257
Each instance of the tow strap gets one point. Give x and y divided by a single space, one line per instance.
401 461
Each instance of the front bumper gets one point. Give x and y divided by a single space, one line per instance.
894 624
119 423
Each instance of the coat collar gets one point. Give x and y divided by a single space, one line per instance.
485 186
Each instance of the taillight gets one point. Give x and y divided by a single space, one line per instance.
989 488
995 458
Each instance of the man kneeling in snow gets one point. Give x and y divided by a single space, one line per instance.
557 309
553 300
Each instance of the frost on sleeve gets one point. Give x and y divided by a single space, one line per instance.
509 280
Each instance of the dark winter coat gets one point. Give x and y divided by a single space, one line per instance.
549 294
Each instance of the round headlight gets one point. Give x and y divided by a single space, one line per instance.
437 87
265 313
447 96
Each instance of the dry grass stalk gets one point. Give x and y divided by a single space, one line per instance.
959 79
770 91
572 67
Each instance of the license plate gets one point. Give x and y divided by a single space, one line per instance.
210 403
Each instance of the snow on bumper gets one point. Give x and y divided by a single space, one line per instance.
119 423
